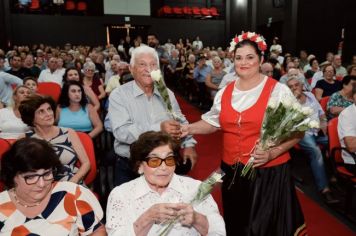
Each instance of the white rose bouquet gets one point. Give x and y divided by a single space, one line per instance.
282 121
203 191
158 80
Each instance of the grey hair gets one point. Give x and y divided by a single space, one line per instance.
191 57
89 65
143 50
216 58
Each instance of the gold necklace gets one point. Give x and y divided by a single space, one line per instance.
23 204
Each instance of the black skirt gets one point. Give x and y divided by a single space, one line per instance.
264 206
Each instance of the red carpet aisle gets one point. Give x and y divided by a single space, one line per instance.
319 221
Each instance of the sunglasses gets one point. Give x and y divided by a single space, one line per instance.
155 162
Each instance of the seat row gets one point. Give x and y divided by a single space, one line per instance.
188 11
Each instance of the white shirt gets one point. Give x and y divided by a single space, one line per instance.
242 100
11 127
47 76
129 201
347 127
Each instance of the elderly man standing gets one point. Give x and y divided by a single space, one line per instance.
137 107
309 144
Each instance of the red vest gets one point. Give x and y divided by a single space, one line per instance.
241 130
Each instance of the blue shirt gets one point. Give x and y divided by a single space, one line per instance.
77 120
201 73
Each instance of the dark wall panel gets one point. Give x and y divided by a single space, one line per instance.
57 30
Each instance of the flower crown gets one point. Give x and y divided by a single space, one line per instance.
252 36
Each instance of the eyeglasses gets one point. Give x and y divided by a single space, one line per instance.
33 179
155 162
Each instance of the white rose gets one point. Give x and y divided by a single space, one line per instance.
250 34
287 102
307 111
240 38
156 75
272 103
216 176
232 45
259 39
314 124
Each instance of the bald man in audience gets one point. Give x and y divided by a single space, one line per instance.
267 69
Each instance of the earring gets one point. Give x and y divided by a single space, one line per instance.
140 171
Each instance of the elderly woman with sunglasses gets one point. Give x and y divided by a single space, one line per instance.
34 204
141 206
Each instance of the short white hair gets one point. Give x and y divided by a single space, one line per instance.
143 50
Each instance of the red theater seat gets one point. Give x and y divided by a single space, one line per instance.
214 11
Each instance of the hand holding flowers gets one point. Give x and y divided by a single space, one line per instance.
282 121
203 192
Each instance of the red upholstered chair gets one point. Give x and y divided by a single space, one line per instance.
35 5
196 11
338 163
177 11
89 149
4 146
205 12
70 5
165 11
82 6
49 89
187 11
324 102
214 11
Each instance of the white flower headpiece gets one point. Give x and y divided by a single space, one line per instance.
252 36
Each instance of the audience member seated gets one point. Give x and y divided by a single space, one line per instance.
92 80
201 70
51 74
31 83
39 112
267 69
74 111
314 68
328 85
72 74
188 78
35 204
351 70
341 99
17 69
159 195
11 125
118 69
213 79
312 138
6 82
29 64
347 133
293 72
340 70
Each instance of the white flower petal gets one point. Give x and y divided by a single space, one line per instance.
156 75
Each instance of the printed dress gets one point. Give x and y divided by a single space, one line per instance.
64 149
71 210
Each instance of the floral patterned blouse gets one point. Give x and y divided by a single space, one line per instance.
71 210
337 100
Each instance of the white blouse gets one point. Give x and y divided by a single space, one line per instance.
242 100
11 127
129 201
